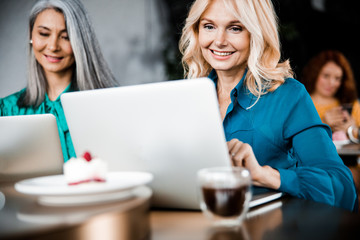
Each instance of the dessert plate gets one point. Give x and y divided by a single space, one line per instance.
54 191
79 214
340 143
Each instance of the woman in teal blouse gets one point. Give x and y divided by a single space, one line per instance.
270 122
64 56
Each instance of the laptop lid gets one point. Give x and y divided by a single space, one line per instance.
29 147
171 129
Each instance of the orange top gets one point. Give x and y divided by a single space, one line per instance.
322 109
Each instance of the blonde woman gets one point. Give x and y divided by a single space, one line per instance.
270 122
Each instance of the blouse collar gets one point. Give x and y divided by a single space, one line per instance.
240 93
67 89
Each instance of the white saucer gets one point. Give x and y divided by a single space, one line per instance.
339 144
78 214
81 200
54 191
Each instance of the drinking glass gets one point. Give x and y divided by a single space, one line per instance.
348 107
224 194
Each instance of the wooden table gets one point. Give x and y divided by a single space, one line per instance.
288 218
349 150
350 153
21 217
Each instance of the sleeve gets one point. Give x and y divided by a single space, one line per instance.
8 105
356 112
320 174
1 107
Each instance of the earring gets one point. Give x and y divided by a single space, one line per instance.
30 41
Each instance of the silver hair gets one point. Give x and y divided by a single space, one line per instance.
91 69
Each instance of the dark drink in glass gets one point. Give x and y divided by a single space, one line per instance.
224 194
225 202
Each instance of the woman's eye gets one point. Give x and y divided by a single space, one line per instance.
208 26
65 37
326 76
44 34
236 28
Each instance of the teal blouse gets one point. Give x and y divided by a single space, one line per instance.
286 133
9 107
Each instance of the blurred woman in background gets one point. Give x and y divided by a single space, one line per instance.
329 79
64 56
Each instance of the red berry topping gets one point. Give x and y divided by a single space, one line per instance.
87 156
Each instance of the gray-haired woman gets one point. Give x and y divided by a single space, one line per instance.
64 56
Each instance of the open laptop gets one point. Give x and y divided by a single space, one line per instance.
29 147
171 129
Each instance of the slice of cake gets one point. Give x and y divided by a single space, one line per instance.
85 169
339 136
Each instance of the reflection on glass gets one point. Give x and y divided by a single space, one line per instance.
227 233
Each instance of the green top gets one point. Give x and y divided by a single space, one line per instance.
9 107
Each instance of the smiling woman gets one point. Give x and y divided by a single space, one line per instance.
329 79
52 50
224 41
269 119
64 55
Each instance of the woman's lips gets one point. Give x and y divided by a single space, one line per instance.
53 59
221 55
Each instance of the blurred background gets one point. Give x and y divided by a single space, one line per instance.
139 38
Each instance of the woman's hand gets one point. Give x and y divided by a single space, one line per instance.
348 121
241 154
338 119
335 118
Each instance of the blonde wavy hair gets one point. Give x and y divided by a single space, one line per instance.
265 71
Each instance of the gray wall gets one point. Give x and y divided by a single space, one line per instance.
132 35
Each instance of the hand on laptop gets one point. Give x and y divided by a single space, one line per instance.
241 154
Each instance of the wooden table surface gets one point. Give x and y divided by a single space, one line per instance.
351 149
287 218
21 217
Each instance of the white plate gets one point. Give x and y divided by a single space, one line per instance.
339 144
53 190
51 216
81 200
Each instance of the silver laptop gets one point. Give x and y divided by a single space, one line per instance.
29 147
171 129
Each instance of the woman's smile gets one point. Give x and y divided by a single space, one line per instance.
53 59
221 55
